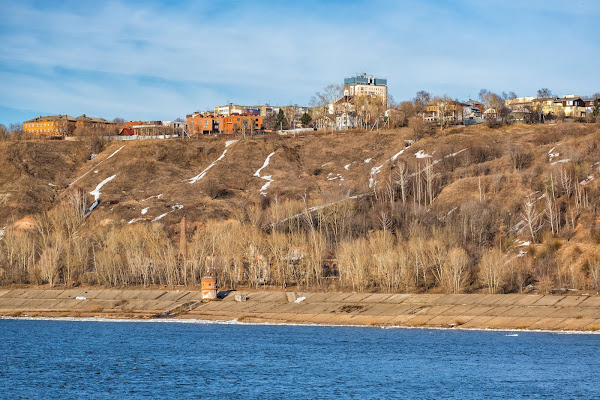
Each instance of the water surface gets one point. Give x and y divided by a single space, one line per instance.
109 360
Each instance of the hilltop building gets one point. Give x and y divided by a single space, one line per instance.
207 123
63 125
152 128
366 85
230 109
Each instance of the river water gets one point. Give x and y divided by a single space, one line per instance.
65 359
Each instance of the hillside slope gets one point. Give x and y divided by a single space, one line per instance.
531 192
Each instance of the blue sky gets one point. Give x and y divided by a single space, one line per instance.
163 59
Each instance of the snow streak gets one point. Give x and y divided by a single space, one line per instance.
203 173
267 178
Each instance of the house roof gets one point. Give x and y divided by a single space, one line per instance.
52 118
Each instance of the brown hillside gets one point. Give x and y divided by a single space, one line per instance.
520 202
32 173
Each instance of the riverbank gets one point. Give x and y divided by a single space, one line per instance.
475 311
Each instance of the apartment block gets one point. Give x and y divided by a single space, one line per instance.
366 85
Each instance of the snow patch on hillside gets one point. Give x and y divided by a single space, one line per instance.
347 167
145 210
203 173
158 196
229 142
173 209
552 155
96 192
96 171
422 154
331 177
268 178
116 151
376 170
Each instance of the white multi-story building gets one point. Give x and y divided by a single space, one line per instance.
366 85
230 109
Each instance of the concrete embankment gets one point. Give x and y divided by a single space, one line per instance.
511 311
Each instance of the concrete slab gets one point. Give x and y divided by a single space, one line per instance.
528 299
314 298
257 297
422 298
477 322
322 308
262 308
497 311
197 296
383 309
48 294
594 326
397 298
575 324
589 312
449 320
339 319
337 297
566 312
480 310
458 310
490 299
500 322
279 308
436 309
409 309
10 303
278 297
283 316
17 293
522 322
509 300
320 319
70 293
108 294
591 301
472 299
156 294
370 320
570 301
377 298
540 312
546 323
31 294
356 297
516 311
88 293
548 300
401 320
453 299
419 320
40 304
65 304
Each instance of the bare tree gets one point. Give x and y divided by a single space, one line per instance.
544 92
531 217
492 269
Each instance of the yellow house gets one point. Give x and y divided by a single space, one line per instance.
52 125
62 125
